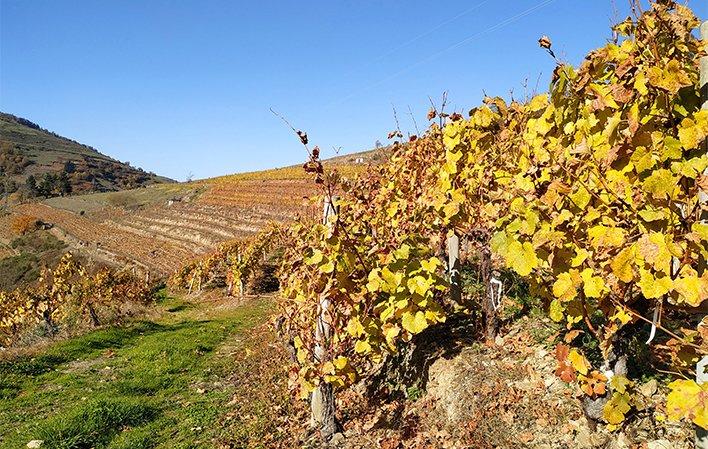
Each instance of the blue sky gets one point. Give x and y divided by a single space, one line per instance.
180 87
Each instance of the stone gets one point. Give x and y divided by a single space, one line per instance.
648 389
34 444
337 440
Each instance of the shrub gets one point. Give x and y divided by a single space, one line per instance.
23 224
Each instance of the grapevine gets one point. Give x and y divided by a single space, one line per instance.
589 192
62 289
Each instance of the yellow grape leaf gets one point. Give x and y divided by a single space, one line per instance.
622 316
340 363
362 347
431 264
499 243
306 388
653 287
521 257
661 183
453 156
580 256
403 252
655 251
640 83
537 103
565 286
435 316
693 290
555 311
414 323
374 283
391 333
579 362
616 408
593 286
418 284
652 215
688 400
620 384
327 267
670 76
622 264
603 95
701 229
354 327
691 133
671 150
392 280
605 236
315 259
581 197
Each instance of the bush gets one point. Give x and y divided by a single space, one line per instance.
24 224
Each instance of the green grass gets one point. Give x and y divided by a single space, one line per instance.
162 384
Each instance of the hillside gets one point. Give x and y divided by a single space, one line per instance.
158 228
58 165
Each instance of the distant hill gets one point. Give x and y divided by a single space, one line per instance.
58 165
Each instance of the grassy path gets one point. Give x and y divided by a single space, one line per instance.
199 375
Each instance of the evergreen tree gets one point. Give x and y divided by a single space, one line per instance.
46 186
63 184
31 186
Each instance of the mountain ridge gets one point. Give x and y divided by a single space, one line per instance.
36 162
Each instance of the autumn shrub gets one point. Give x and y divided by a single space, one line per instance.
24 224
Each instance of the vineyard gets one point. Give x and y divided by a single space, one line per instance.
64 292
535 265
159 227
588 195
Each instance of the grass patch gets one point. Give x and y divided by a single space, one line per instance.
37 242
23 268
151 384
94 424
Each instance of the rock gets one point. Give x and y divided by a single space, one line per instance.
649 389
337 440
594 407
660 444
34 444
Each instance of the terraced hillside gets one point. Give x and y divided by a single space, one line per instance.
158 228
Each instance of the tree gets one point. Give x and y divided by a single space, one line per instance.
31 186
46 186
63 184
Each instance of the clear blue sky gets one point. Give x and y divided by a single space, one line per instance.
186 86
